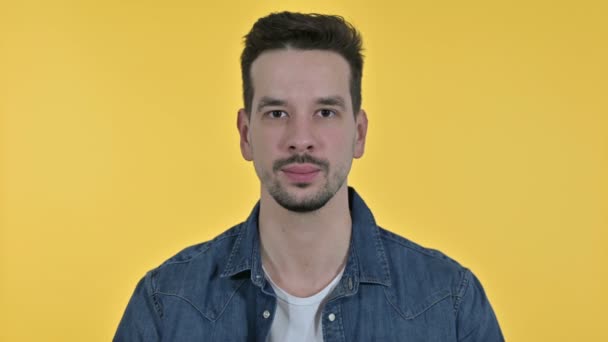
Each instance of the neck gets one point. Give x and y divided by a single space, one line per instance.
303 252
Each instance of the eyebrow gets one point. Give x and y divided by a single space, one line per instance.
266 101
336 101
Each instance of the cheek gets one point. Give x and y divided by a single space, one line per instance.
341 142
263 146
260 140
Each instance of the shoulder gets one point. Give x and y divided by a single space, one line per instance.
191 253
196 264
401 247
424 278
185 279
421 277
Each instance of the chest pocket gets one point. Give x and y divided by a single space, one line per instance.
411 307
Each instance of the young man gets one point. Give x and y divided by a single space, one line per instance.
310 263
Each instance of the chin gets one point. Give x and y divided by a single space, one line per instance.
303 185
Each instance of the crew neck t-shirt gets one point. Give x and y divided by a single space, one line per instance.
298 318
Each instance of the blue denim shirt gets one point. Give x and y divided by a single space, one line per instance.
392 290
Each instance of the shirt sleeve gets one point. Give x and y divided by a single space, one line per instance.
476 321
142 317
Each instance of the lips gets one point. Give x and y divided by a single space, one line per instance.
301 168
301 173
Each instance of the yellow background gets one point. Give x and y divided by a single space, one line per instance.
487 140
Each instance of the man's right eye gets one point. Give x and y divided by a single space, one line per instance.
276 114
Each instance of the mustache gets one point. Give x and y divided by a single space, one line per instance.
300 159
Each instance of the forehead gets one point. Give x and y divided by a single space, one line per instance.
299 73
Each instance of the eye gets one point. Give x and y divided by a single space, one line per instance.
276 114
327 113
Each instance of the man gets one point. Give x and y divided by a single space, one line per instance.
310 263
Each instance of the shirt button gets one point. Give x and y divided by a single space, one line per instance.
266 314
331 317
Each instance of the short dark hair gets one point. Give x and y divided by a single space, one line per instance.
305 32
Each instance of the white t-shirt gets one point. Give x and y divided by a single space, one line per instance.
299 319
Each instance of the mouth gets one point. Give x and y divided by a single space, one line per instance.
301 173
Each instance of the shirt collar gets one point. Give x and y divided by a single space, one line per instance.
366 262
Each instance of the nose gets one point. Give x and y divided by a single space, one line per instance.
300 135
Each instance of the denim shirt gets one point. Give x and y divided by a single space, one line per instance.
391 290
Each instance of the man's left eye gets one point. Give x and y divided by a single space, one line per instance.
327 113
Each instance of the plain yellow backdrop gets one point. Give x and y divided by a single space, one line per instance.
487 140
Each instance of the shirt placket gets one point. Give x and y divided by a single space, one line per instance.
266 306
332 319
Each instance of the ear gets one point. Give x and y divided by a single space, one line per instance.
361 133
242 124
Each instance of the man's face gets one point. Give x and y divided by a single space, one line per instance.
301 133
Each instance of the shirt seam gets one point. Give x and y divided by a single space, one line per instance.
416 248
206 246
